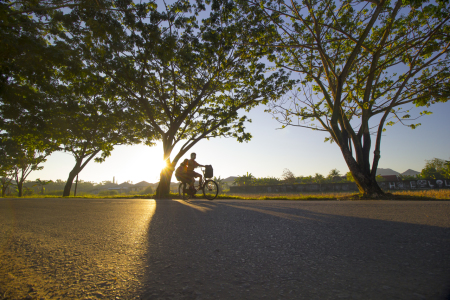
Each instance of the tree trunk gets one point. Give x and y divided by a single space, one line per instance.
367 185
4 186
76 185
69 182
20 188
163 189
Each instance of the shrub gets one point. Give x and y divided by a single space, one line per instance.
107 193
27 191
55 193
148 190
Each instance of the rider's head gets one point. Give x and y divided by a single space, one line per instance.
193 155
185 162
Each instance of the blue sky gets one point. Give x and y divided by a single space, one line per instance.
269 152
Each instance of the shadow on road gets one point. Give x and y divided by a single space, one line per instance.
256 250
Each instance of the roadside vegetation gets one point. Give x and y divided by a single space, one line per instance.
434 169
342 196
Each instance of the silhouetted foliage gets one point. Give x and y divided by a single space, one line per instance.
189 76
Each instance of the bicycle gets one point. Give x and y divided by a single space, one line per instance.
209 187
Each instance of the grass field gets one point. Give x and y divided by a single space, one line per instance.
397 195
435 194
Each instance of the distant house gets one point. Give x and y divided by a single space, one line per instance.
229 180
124 187
108 186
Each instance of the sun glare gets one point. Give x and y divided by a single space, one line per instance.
162 165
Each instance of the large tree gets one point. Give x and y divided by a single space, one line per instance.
361 65
89 119
49 88
190 77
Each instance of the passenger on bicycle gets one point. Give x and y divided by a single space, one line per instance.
192 164
181 172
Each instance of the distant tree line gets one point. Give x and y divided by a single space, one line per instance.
434 169
288 177
55 188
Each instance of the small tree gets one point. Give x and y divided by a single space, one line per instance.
41 184
319 178
148 190
28 160
6 176
334 175
6 167
288 176
436 169
22 153
220 183
244 180
446 170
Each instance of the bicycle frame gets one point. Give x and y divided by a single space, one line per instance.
211 192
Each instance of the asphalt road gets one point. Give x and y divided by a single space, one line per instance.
227 249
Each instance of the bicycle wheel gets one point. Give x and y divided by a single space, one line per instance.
182 192
210 189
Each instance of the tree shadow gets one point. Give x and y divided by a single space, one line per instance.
253 250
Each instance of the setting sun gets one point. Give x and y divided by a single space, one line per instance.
162 164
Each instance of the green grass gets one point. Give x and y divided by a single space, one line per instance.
398 195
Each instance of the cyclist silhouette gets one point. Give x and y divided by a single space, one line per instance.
186 174
192 164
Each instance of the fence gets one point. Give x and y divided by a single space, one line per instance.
343 187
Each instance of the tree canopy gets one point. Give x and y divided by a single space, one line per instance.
50 94
90 119
188 75
360 66
436 168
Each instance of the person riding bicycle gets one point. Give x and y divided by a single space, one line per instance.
192 164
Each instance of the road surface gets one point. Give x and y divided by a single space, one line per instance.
223 249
